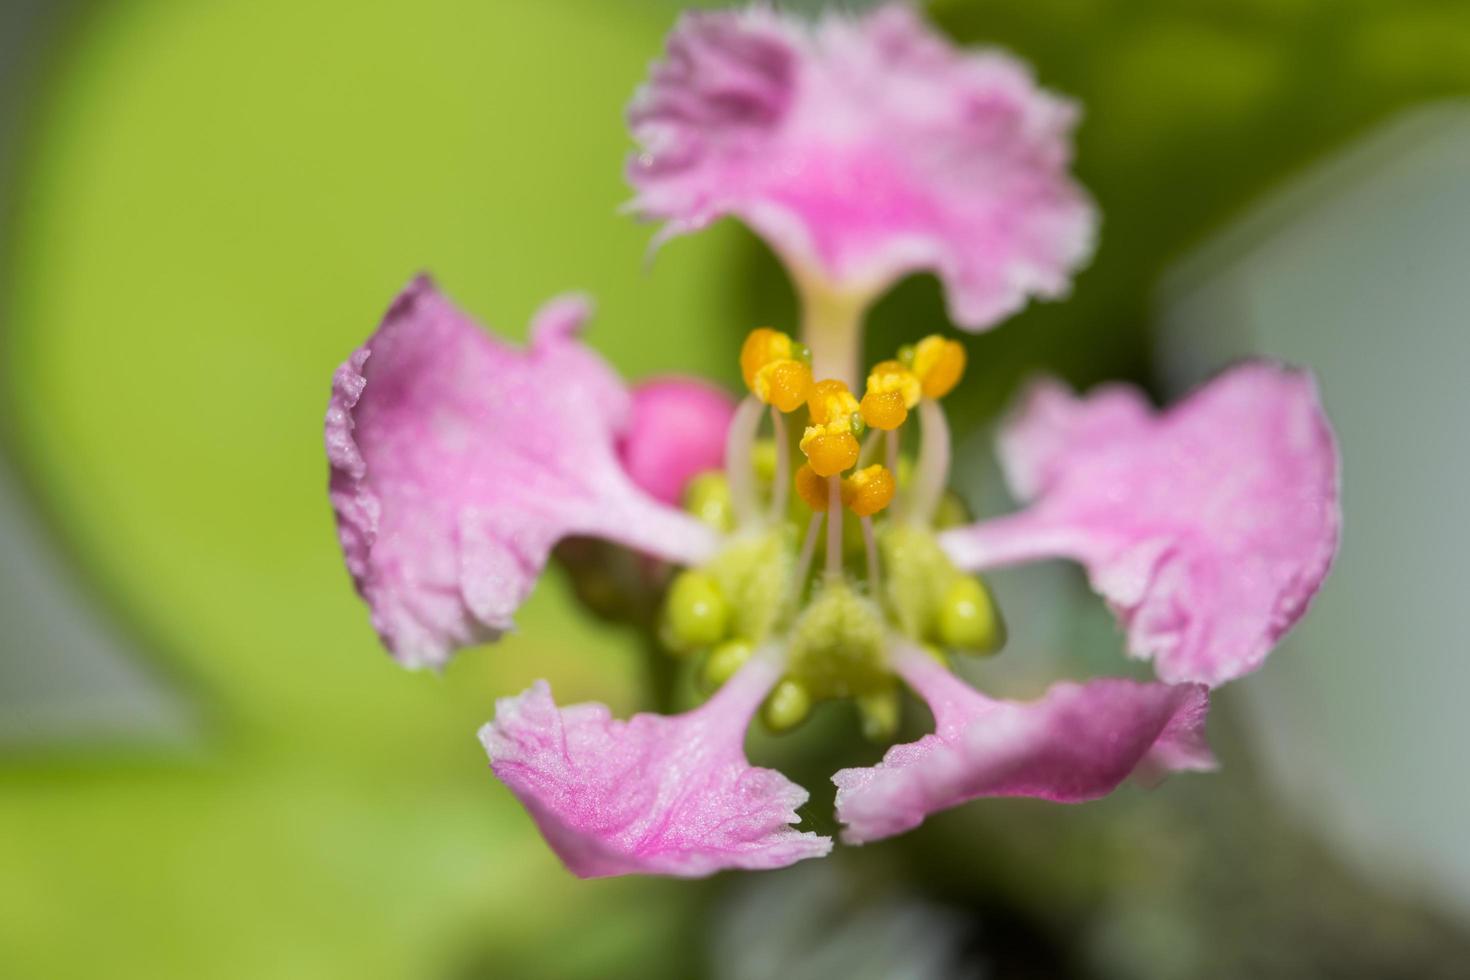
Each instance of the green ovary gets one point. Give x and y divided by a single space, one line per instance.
836 630
837 648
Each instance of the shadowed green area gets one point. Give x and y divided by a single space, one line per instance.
222 200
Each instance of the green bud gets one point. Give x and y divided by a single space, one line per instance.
858 425
906 355
968 618
708 498
695 615
801 352
951 512
879 713
787 706
722 663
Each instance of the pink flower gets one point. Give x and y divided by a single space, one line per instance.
458 461
863 150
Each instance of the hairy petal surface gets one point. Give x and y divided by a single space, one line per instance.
457 461
675 432
1077 743
1208 527
862 150
654 794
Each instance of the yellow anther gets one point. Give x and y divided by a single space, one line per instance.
830 448
884 410
893 376
869 490
812 489
783 383
762 346
892 390
939 363
830 401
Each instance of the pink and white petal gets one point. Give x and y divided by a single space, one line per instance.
654 794
1208 527
675 432
863 150
1050 424
1077 743
458 461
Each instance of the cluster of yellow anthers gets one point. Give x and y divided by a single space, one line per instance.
776 370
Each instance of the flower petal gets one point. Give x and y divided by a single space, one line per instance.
863 150
1208 527
654 794
1077 743
676 431
458 461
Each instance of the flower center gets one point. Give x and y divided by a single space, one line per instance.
880 574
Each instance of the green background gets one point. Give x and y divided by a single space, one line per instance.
215 203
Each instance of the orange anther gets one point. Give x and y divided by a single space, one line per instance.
829 401
939 363
784 384
884 409
893 376
869 490
812 489
830 449
762 346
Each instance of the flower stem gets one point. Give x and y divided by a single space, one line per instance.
783 466
832 326
932 471
834 527
739 467
804 559
870 548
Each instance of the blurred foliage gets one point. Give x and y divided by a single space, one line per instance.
218 202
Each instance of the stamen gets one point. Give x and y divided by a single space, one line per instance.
869 490
763 346
804 559
932 471
870 549
830 442
830 400
811 488
782 479
783 384
834 527
830 449
890 445
739 468
892 390
939 364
